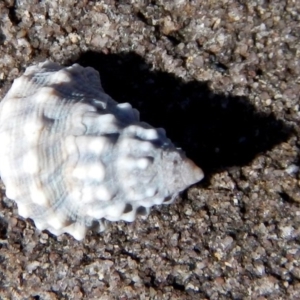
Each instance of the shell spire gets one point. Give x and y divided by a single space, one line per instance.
72 157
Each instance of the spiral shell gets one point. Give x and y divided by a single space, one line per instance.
72 157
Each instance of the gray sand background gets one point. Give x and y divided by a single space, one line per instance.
222 77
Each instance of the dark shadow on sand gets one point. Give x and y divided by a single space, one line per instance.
216 131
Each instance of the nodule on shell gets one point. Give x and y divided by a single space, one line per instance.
72 157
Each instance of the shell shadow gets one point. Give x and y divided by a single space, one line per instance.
216 131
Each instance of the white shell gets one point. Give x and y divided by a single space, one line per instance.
71 156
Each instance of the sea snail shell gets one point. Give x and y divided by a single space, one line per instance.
72 157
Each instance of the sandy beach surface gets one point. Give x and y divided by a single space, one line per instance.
223 78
